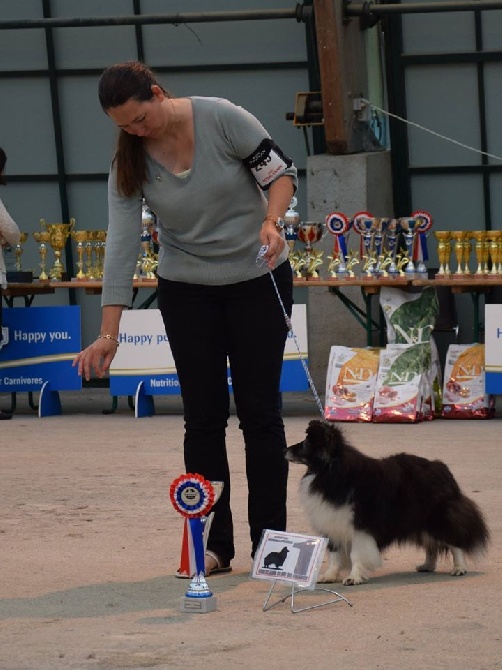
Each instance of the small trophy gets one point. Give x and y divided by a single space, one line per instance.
365 224
479 247
19 250
393 230
408 228
43 239
338 225
444 251
309 233
291 223
493 237
80 237
193 497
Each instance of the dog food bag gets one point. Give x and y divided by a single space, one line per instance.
350 384
410 319
464 394
402 383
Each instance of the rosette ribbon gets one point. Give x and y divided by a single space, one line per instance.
193 497
339 225
424 224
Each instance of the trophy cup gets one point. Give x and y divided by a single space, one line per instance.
382 259
291 223
459 250
444 251
80 237
18 251
99 236
422 229
480 237
59 233
338 225
365 224
408 228
193 497
392 231
493 237
309 233
42 238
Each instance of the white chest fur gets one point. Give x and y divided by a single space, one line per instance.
327 519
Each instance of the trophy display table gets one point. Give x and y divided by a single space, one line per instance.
473 284
26 291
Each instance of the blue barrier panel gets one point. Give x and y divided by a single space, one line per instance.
144 356
493 349
40 347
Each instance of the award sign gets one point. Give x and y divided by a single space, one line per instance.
193 497
295 559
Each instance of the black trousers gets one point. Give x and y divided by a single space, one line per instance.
244 322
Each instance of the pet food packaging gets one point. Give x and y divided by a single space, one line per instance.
464 394
410 319
350 383
403 390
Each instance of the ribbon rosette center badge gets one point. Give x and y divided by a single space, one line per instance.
192 495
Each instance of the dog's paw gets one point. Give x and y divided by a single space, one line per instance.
354 580
458 571
426 567
329 576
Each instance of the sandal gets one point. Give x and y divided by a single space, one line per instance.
213 566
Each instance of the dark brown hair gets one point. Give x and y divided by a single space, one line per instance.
3 160
118 84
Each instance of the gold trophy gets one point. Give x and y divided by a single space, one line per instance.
99 237
19 250
458 236
91 269
494 237
480 237
309 233
42 238
59 233
80 237
444 251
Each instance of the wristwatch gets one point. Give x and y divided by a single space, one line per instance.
278 222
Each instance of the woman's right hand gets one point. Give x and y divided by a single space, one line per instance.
98 356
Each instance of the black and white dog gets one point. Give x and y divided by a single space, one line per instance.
363 505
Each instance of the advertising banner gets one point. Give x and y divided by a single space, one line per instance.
39 346
493 349
145 356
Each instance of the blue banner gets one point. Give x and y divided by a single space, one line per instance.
39 346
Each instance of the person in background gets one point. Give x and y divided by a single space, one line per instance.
9 235
219 187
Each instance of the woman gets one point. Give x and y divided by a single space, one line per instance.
9 235
203 166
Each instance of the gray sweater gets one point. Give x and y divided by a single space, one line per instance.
209 221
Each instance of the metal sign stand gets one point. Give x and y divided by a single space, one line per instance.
294 591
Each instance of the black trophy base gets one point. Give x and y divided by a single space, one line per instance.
198 605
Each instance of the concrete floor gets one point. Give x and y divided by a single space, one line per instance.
89 544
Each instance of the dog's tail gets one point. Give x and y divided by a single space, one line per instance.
464 526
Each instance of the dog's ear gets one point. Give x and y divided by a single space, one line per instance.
317 433
325 436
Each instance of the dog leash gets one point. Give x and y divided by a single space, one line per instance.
260 262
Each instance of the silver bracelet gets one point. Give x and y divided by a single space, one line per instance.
109 337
